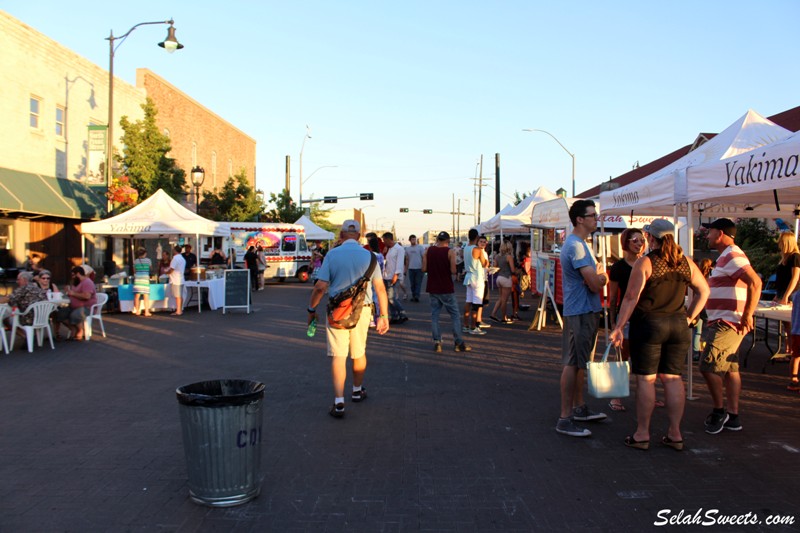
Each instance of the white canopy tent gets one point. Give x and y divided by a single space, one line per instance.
493 224
762 182
664 192
515 218
157 216
314 232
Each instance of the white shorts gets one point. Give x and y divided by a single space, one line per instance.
475 293
177 291
503 281
342 342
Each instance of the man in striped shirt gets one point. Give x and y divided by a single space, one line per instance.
735 288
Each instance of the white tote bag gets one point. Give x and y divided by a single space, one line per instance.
609 379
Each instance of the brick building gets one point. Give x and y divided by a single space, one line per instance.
54 110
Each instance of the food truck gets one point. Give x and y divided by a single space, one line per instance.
285 249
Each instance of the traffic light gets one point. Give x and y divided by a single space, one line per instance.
365 196
427 211
330 199
404 210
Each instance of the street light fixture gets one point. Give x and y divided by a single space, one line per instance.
170 44
300 203
303 147
198 177
565 149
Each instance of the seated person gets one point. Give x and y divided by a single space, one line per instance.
43 279
26 293
82 296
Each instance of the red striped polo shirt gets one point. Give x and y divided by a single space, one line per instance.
728 291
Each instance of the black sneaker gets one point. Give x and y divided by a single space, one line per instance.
337 411
462 348
566 426
733 423
437 347
359 396
715 422
584 414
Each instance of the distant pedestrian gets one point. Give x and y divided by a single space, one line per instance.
262 266
735 289
342 268
414 262
439 262
251 263
141 281
176 279
582 279
190 258
393 276
475 263
504 261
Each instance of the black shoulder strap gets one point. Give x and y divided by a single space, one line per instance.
372 262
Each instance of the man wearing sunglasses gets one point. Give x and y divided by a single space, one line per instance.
583 279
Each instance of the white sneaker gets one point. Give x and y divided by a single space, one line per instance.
477 331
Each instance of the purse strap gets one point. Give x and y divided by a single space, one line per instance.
608 351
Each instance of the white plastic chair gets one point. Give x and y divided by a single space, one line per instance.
5 311
95 313
41 322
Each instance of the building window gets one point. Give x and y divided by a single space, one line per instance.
36 105
194 154
214 170
61 121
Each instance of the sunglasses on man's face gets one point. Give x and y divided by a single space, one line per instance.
45 277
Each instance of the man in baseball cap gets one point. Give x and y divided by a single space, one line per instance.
735 289
439 262
725 225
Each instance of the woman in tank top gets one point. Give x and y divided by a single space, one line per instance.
659 329
504 261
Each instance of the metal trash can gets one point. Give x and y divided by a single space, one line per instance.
221 425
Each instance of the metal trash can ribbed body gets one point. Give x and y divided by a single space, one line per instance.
221 425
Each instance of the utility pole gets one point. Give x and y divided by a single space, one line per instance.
480 191
496 183
287 175
454 213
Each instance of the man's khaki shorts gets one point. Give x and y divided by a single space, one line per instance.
342 342
721 354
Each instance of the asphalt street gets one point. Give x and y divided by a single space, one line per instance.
451 442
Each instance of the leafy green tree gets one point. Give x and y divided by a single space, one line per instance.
518 197
319 216
756 239
144 159
237 201
285 209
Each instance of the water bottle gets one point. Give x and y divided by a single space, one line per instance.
312 328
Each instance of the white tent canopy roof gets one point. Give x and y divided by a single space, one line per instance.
657 193
156 216
751 180
553 213
514 218
314 232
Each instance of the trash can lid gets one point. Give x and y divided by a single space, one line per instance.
220 393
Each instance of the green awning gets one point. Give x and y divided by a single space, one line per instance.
33 194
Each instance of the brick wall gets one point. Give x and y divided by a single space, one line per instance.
190 122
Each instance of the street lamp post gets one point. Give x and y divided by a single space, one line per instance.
198 177
303 147
309 176
170 44
565 149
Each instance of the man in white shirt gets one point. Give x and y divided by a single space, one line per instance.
392 275
414 254
176 268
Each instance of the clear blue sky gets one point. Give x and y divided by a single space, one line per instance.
404 97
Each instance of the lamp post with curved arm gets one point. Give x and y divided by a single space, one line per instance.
300 202
565 149
303 147
170 44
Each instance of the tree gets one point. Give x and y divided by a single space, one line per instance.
519 197
144 159
236 202
319 216
756 239
285 209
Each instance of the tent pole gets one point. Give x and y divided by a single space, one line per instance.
602 243
690 254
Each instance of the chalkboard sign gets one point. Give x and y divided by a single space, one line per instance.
237 289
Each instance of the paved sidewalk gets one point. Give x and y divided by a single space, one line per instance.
454 442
